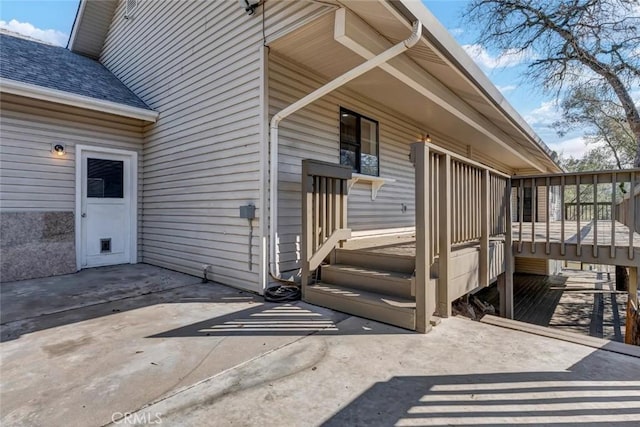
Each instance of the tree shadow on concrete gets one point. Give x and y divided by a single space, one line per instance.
589 393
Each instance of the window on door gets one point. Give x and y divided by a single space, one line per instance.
105 178
359 144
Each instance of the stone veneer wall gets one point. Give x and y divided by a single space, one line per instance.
36 244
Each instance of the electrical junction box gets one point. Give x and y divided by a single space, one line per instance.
248 212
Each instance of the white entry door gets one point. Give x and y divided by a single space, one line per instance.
107 207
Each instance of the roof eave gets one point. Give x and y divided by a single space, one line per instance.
439 36
28 90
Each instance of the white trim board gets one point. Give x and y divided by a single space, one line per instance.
28 90
133 188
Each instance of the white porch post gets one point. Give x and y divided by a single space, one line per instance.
425 292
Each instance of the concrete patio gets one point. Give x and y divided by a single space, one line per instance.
136 344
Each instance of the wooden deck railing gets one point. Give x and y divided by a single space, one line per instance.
624 209
324 212
588 212
579 236
457 201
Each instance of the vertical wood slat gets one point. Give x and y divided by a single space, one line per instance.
467 204
444 266
534 213
495 212
330 205
425 295
548 215
307 224
485 197
520 212
468 213
578 210
343 204
432 196
614 177
456 201
322 217
632 212
433 204
315 211
595 216
464 204
508 253
478 200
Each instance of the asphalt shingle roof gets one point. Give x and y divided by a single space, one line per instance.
58 68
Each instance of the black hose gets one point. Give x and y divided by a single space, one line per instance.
282 293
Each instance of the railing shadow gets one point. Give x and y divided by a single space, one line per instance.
584 395
270 319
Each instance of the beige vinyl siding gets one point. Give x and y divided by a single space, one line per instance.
313 132
34 179
198 64
532 266
542 204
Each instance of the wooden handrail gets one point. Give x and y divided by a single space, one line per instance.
324 212
458 200
327 246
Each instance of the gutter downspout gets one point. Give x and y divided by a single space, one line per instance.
416 34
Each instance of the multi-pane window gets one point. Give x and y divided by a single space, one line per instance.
359 147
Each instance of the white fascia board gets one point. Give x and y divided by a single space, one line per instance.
460 60
76 24
28 90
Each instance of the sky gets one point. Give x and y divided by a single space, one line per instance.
51 21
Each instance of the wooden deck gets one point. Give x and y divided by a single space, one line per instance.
577 301
590 242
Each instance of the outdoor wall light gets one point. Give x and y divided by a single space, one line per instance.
425 138
59 149
250 6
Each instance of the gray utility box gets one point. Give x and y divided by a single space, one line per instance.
248 211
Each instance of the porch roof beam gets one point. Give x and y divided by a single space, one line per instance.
359 37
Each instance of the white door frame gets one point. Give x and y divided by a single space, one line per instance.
132 187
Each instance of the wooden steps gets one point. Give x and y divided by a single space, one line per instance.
376 260
368 279
395 311
372 285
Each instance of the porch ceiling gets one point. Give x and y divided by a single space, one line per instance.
315 48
